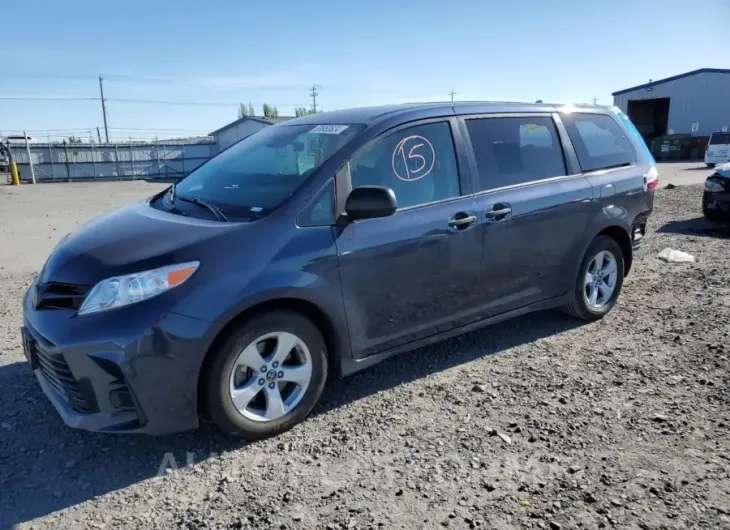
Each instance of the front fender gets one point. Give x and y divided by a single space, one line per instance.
318 291
302 272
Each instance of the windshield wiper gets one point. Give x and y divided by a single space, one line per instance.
204 204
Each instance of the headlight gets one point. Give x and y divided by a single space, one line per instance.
713 186
132 288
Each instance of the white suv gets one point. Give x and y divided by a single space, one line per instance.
718 149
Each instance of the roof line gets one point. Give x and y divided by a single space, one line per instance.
673 78
241 120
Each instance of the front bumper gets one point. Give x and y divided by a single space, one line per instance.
133 369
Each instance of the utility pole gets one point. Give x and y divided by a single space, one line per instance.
452 94
313 92
103 108
595 101
98 134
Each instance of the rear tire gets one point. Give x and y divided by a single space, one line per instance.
278 394
594 277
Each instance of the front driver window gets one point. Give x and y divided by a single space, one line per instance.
417 163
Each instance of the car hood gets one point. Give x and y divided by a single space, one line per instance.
133 238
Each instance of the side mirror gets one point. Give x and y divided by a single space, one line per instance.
368 202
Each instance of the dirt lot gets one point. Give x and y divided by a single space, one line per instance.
683 173
541 422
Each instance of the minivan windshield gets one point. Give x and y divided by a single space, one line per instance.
256 175
720 139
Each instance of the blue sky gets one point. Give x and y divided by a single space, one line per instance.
359 52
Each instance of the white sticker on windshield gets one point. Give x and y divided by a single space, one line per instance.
257 209
329 129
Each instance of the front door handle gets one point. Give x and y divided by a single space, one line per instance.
462 222
498 212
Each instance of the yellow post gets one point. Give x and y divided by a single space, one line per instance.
14 172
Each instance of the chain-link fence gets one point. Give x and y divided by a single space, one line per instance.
66 161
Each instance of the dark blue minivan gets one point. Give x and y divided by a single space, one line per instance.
322 245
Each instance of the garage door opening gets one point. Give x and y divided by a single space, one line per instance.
650 116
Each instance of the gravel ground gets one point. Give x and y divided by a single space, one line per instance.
540 422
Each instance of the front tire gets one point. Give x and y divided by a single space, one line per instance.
710 166
267 376
599 281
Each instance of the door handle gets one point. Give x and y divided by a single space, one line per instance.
498 213
462 222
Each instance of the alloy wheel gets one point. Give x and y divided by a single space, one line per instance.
270 376
600 279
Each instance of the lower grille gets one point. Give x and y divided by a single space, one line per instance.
59 376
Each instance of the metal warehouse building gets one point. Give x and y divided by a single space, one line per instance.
242 128
696 103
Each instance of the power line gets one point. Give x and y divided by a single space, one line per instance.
120 131
154 80
199 83
48 98
138 100
143 129
192 103
56 130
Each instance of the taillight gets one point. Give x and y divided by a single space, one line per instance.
651 179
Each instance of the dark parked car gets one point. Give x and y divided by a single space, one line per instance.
716 197
321 246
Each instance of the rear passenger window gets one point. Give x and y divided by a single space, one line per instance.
512 151
417 163
599 141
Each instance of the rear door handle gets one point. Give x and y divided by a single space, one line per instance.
498 213
462 222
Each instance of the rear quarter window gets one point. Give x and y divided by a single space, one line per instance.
599 141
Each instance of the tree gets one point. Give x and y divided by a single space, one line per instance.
245 110
74 140
301 111
270 112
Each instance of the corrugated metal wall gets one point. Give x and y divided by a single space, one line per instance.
703 98
148 160
113 161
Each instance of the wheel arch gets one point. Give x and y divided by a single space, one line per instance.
621 236
305 308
